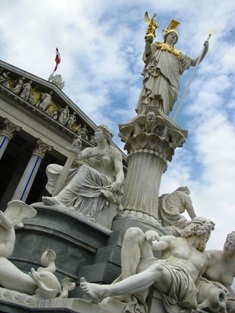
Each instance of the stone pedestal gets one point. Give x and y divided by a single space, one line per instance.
151 139
146 164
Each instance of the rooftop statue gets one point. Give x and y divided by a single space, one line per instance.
71 120
25 94
4 79
163 66
97 181
170 209
45 101
19 85
174 274
64 115
57 80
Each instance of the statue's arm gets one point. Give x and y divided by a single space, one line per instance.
118 166
158 243
5 221
189 207
84 154
194 62
148 47
80 154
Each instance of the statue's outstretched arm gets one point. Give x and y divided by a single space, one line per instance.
202 55
189 207
118 166
148 47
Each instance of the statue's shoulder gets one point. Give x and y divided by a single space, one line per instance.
165 47
115 153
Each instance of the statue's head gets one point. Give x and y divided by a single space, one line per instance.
171 29
107 132
171 32
201 228
229 245
151 117
183 189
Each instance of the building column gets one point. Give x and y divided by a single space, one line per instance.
6 134
30 172
14 181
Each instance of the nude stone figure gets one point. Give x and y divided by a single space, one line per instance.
42 283
182 260
221 268
14 214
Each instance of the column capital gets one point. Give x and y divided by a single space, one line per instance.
152 132
10 129
41 148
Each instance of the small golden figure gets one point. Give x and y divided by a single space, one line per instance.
152 25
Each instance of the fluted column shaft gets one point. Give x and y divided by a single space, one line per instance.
31 170
142 183
151 139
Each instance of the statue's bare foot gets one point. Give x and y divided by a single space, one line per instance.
49 201
93 291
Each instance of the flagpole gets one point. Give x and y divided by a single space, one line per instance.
57 61
191 78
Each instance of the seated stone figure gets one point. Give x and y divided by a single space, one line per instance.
95 183
170 208
182 260
221 268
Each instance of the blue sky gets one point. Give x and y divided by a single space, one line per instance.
101 45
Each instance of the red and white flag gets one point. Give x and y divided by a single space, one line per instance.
57 59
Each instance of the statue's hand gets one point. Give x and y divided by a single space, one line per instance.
115 186
149 39
152 235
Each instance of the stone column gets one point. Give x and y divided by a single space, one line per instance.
147 161
21 164
30 172
6 134
150 142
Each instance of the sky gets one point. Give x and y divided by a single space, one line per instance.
101 45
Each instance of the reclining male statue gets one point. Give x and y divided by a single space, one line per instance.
182 261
